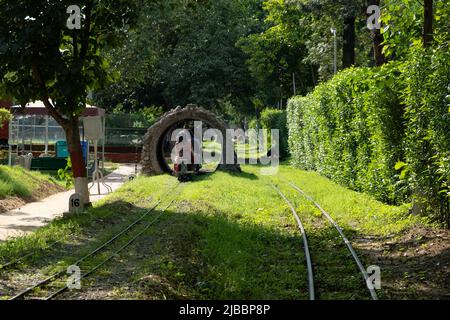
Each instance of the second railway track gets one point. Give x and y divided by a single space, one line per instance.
311 284
57 283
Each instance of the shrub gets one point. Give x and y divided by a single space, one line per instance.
384 131
350 130
254 124
277 119
143 118
5 116
427 139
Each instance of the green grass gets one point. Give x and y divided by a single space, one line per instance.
15 181
226 236
354 210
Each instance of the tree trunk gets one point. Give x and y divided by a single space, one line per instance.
428 23
76 156
378 57
349 42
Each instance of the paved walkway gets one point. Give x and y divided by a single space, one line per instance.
37 214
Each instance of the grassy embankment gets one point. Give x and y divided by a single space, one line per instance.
16 181
226 236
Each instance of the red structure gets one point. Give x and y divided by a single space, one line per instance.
4 127
118 154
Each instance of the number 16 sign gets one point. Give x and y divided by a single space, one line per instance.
76 204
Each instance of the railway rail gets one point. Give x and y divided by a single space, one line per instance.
355 257
312 295
57 283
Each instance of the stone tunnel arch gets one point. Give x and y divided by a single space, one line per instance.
153 161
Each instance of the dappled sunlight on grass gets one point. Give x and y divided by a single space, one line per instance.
225 236
352 209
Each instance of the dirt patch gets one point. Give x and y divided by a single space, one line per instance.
45 189
11 203
155 286
414 265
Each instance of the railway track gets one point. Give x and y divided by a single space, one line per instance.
58 282
312 295
355 257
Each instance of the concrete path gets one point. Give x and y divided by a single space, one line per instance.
37 214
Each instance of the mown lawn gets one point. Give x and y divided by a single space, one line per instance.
225 236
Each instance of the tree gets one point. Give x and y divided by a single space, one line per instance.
349 37
412 22
378 54
277 53
42 59
346 13
428 22
184 51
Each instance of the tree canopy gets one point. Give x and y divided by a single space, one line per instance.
41 58
252 54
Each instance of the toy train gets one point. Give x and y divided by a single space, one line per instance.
183 171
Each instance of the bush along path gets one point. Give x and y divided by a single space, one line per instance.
384 131
230 236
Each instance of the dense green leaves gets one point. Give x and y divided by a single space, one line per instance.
185 52
350 129
427 141
277 119
385 131
403 25
40 57
5 115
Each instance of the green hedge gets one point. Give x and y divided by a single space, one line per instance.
277 119
384 131
427 140
350 130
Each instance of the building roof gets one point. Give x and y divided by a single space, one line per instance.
38 108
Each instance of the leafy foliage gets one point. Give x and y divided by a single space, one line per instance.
42 59
277 119
427 140
39 50
190 57
66 174
350 129
403 25
384 130
143 118
5 116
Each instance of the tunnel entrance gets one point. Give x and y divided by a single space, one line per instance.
157 142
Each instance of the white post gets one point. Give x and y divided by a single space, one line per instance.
103 143
10 156
334 32
33 135
88 154
10 128
96 174
46 136
335 53
293 83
